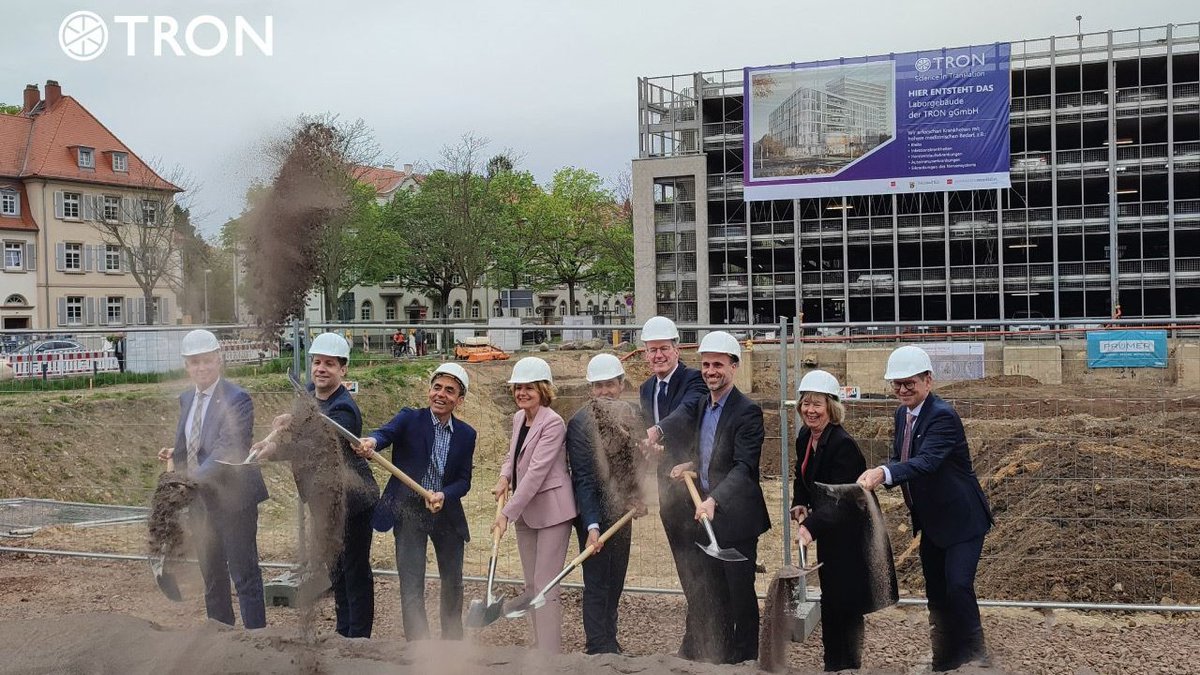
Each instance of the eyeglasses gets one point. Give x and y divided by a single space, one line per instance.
659 350
900 385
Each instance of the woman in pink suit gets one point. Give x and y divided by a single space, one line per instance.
543 502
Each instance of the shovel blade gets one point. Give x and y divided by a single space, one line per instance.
475 613
725 554
165 580
523 607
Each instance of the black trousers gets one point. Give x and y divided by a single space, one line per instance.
841 637
955 631
227 545
603 582
414 529
353 582
728 601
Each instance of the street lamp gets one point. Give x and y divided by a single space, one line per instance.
206 273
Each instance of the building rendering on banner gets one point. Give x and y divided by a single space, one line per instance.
1046 179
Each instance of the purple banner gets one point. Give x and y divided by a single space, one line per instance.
913 122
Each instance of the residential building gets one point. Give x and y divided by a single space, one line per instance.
65 180
1104 207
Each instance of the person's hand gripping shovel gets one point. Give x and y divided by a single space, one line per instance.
725 554
522 607
479 614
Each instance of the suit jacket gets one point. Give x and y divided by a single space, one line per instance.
733 471
544 495
837 460
601 499
685 389
362 492
227 433
411 431
947 502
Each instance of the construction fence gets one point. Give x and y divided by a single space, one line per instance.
1086 439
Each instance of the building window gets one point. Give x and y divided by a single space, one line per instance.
112 258
87 158
157 303
16 299
367 311
475 310
73 257
458 309
71 205
389 311
74 310
149 212
120 162
112 209
9 203
562 307
113 307
14 255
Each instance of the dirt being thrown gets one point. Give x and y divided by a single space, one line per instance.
172 495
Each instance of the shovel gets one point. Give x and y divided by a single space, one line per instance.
162 577
379 459
726 554
805 568
479 614
251 459
522 607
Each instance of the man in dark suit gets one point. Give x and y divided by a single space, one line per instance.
931 463
436 449
671 387
216 420
725 430
604 475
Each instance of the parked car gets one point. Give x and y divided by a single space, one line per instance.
52 346
1032 315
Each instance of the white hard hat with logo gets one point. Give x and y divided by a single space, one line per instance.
659 328
198 342
604 367
907 361
330 344
531 369
722 343
820 382
453 370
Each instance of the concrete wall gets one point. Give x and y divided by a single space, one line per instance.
1187 365
1042 363
865 367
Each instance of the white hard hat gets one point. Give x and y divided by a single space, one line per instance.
198 342
820 382
659 328
907 361
531 369
453 370
330 344
604 367
722 343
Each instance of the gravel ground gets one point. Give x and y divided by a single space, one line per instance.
1022 641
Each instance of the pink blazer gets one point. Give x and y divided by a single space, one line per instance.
544 495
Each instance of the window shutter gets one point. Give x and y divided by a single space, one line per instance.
127 212
31 257
58 205
140 310
62 311
60 257
89 311
87 207
164 310
88 257
124 260
128 316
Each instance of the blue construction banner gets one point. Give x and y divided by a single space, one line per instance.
1127 349
923 121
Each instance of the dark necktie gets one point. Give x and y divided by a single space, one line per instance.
905 449
662 400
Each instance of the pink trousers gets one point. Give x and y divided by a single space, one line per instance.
543 554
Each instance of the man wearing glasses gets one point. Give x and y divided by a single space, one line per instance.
931 463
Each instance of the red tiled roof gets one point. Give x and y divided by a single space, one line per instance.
49 149
23 222
382 179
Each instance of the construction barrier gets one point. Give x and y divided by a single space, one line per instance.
62 364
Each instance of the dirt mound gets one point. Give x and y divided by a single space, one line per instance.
988 383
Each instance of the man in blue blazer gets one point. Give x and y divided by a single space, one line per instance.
436 449
670 389
216 420
931 463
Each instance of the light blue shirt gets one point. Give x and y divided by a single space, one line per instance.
708 434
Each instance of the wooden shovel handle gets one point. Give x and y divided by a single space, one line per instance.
404 478
690 477
604 537
496 532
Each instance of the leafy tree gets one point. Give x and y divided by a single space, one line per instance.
6 109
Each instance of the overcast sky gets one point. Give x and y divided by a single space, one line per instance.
554 80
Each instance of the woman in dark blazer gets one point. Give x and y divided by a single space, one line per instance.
825 453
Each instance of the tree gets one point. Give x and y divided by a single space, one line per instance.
6 109
355 248
143 224
574 225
